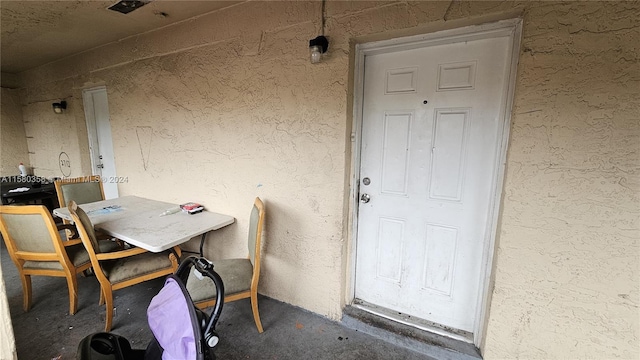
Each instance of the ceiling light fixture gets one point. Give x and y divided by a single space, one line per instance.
127 6
320 44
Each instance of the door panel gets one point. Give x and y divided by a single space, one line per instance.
389 252
395 153
429 147
440 254
449 142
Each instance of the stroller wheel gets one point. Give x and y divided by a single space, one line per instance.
213 339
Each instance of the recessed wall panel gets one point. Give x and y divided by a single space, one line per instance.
447 165
401 81
441 244
395 156
457 76
389 249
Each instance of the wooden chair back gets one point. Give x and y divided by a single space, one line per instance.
31 235
87 234
82 190
255 238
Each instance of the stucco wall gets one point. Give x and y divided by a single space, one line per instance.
13 141
227 107
50 134
7 339
567 276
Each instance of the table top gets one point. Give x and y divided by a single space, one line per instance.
31 188
138 221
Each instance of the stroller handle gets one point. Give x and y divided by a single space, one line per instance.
206 268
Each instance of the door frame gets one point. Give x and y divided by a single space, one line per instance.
94 149
511 28
92 130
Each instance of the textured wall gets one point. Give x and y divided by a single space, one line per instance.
242 118
567 276
227 107
11 81
13 142
7 339
50 134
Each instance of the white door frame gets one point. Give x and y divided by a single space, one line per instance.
110 182
92 131
511 28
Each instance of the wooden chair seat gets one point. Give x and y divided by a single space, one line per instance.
236 275
77 255
128 268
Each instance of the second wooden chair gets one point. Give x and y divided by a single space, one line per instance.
240 276
119 269
82 190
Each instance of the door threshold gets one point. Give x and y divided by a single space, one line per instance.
412 321
424 337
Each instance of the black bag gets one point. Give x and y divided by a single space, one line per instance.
107 346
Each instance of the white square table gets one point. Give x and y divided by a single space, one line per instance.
139 222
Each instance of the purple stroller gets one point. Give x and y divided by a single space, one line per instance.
193 338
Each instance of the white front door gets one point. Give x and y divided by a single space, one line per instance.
430 145
96 109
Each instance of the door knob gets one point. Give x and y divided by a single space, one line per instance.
365 198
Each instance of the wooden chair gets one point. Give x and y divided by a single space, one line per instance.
82 190
36 248
240 276
119 269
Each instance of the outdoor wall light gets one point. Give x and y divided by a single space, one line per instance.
59 107
317 47
320 44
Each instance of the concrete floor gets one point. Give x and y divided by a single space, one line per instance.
47 331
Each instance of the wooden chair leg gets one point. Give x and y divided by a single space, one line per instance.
101 301
254 308
174 260
72 284
178 251
109 304
26 291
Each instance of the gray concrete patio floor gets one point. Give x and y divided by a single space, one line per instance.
47 331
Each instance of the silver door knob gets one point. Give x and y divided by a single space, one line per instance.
365 198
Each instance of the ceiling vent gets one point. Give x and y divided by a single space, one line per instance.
127 6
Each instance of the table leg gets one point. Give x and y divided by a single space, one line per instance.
202 243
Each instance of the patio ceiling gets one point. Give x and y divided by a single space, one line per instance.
34 33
